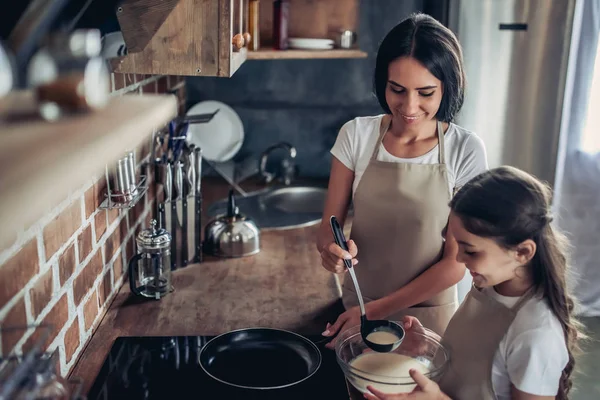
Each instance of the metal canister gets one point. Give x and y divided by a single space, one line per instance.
121 183
347 39
130 157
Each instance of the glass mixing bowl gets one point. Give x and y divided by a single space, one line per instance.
419 345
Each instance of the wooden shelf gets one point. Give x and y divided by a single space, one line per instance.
42 162
237 60
311 18
268 54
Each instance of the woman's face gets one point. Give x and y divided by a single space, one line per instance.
412 93
488 263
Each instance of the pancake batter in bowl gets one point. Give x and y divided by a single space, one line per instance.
376 366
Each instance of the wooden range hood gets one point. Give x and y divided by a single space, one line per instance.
141 19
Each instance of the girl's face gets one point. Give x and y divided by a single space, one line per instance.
489 263
413 94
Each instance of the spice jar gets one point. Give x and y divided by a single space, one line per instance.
69 75
246 33
281 13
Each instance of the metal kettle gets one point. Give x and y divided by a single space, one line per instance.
232 234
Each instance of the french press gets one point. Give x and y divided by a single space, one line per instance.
150 269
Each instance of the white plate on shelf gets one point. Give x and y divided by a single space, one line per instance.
222 137
310 43
113 45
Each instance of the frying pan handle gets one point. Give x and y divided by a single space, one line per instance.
324 340
339 238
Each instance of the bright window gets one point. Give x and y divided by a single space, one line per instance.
590 141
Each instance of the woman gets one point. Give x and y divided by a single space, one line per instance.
400 169
514 335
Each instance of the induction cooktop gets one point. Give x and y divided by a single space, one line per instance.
168 368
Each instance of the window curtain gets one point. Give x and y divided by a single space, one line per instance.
577 188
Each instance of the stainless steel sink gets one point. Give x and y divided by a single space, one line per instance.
279 208
300 199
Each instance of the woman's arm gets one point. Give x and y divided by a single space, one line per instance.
337 201
439 276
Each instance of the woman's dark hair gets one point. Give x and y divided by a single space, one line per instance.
433 45
511 206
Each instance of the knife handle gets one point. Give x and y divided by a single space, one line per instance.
184 228
173 224
161 216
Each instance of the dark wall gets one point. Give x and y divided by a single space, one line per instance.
305 102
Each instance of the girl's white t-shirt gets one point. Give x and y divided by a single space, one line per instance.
465 151
533 352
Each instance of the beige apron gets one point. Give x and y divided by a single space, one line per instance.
400 212
472 338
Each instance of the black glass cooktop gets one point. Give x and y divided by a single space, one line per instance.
168 368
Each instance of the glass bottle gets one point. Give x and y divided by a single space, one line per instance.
281 13
253 25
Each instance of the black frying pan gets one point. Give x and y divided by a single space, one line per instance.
260 358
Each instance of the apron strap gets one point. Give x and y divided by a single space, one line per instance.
386 121
518 305
440 132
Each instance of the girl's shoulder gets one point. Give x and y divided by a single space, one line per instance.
537 316
533 320
536 350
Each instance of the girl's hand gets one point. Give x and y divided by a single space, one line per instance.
347 319
411 322
414 343
426 390
332 256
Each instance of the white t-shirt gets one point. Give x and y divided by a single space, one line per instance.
465 151
532 353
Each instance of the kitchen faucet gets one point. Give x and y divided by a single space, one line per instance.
287 169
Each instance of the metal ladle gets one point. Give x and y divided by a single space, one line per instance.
367 327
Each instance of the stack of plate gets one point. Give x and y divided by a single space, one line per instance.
222 137
310 44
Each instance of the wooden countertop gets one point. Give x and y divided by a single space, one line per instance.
283 286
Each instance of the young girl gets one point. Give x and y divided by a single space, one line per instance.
514 335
